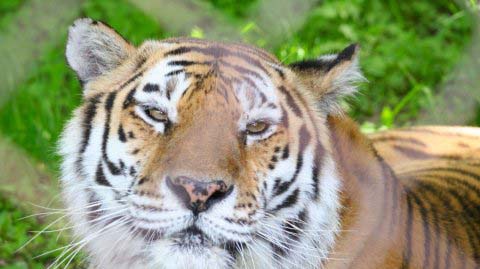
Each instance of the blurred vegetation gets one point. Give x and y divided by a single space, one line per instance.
234 8
7 10
408 50
15 232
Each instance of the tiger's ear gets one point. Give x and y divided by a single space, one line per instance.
94 49
330 76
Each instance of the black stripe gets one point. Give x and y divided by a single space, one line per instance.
285 152
139 62
280 251
95 211
149 87
426 228
456 182
440 133
285 185
389 177
468 220
289 201
133 171
451 169
174 72
420 154
304 138
90 112
121 134
182 63
407 252
436 256
108 107
280 72
177 51
294 227
242 70
319 151
100 176
219 52
291 102
390 138
129 99
130 80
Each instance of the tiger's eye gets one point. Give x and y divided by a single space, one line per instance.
156 114
257 127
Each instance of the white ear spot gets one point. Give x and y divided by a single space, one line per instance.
94 49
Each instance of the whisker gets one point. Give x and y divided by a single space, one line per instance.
86 240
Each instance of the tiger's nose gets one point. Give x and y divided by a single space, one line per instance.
197 195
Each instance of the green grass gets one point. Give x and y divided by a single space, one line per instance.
403 48
408 51
16 229
8 9
233 8
33 118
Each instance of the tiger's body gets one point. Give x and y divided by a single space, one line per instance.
422 212
194 154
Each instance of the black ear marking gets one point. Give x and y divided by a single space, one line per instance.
348 52
312 65
330 76
345 55
326 63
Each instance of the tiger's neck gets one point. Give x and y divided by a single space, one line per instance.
368 191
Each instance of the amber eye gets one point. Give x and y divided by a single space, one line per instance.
156 114
257 127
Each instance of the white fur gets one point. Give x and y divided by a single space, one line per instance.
91 51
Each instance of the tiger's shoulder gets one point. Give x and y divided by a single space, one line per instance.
438 168
410 197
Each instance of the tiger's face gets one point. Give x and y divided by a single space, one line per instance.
195 154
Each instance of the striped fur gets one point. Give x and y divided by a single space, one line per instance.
422 211
306 191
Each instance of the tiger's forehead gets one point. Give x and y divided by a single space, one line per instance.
235 70
219 49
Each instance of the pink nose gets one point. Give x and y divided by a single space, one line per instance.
198 195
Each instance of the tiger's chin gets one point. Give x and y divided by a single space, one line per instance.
191 249
192 239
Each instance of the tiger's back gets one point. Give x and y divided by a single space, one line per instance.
439 171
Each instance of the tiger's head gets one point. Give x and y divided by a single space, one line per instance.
188 153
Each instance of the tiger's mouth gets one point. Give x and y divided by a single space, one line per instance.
189 238
193 239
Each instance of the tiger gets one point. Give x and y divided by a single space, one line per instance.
190 153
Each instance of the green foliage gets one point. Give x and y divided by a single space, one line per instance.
405 47
234 8
34 116
130 22
15 230
10 6
7 10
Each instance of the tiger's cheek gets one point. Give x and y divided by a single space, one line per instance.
140 139
262 159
